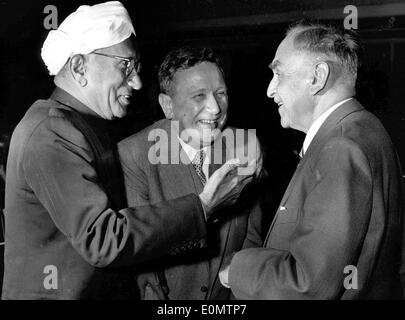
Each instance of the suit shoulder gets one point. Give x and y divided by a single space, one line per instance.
143 136
341 150
136 146
46 119
45 128
365 129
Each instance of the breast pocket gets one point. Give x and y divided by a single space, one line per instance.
283 228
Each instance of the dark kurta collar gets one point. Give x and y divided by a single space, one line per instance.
66 98
100 136
104 127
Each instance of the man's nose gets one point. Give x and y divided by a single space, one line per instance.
271 88
212 105
134 81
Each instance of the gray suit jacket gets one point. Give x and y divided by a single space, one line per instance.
194 276
343 207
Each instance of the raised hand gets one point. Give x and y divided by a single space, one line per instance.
223 187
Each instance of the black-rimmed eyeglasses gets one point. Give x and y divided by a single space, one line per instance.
130 63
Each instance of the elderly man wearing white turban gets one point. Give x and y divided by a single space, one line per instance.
68 233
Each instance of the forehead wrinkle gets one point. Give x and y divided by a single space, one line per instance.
196 88
189 81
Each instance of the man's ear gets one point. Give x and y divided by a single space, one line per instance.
166 103
320 77
77 69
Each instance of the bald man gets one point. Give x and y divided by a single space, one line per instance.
68 233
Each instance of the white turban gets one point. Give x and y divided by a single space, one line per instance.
85 30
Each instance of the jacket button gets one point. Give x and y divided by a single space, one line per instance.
204 289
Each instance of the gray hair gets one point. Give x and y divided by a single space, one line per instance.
331 43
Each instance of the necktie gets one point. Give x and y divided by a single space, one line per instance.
198 163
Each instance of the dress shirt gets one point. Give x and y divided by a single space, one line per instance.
191 153
317 124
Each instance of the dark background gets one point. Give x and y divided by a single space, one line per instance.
246 34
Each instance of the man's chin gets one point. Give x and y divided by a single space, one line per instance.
120 112
285 124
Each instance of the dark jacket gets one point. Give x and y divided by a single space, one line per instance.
58 213
343 208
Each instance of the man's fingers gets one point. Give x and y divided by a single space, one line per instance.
252 162
228 167
245 178
234 182
224 277
142 290
232 162
225 170
154 292
159 292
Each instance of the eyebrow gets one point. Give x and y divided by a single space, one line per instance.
274 64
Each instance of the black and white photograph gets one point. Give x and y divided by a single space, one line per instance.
209 152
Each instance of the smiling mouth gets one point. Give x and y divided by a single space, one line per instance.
211 123
124 100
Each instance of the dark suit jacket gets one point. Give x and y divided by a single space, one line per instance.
188 276
343 207
58 214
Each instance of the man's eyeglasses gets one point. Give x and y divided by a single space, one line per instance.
130 63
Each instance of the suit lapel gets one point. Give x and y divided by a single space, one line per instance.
319 140
182 179
226 228
286 195
178 174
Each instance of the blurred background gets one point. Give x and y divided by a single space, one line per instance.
246 34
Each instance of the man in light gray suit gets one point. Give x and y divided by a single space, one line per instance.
175 156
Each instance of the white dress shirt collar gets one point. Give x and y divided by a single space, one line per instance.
191 152
318 123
